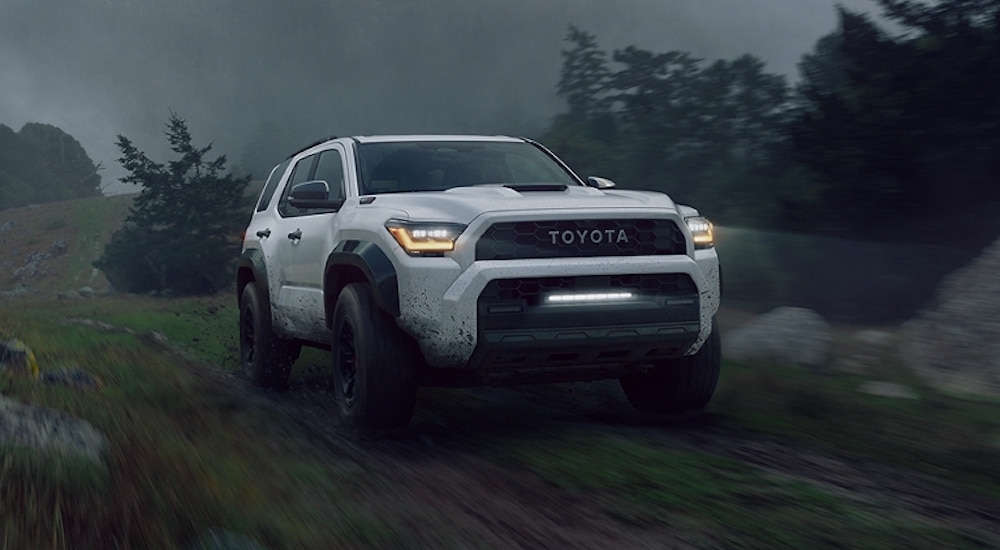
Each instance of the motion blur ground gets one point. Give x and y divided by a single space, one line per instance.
784 457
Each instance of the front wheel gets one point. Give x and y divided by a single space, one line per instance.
265 356
374 364
676 386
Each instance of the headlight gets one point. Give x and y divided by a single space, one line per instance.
425 238
702 232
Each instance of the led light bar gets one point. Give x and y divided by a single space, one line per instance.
589 297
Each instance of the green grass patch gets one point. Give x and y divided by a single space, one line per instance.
204 326
716 501
957 439
186 454
94 220
55 224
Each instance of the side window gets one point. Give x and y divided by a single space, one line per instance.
271 185
301 173
330 169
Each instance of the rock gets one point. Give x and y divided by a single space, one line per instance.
7 225
954 344
17 358
73 377
875 338
58 247
35 266
859 363
888 389
68 295
86 292
48 431
787 335
20 289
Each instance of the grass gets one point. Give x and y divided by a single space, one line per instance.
188 455
957 439
715 501
185 454
85 225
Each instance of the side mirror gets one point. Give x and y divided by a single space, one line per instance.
313 194
600 183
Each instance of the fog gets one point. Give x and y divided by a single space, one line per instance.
260 79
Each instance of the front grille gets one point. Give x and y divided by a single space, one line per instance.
580 238
530 291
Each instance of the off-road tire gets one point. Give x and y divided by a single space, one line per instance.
266 358
374 365
677 386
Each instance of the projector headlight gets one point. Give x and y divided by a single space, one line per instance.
425 238
702 232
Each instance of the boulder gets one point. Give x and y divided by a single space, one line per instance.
17 358
888 389
954 343
48 431
786 335
73 377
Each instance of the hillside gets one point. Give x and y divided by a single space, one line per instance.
49 248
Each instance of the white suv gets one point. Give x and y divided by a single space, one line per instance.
473 260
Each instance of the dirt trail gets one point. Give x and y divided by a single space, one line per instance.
433 479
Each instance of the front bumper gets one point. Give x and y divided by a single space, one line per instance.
445 309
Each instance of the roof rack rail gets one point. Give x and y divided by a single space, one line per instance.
311 145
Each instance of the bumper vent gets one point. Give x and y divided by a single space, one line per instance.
580 238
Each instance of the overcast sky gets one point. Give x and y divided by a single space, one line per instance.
260 78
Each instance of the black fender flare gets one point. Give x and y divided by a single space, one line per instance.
373 263
251 268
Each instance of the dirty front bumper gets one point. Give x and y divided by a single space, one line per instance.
497 317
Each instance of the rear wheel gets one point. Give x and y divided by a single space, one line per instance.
676 386
265 357
374 364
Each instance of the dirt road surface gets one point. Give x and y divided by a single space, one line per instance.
438 480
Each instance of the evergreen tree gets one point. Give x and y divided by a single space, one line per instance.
76 173
41 163
182 232
900 125
584 75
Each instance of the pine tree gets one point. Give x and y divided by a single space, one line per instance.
180 236
584 75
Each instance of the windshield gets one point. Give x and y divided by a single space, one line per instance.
435 166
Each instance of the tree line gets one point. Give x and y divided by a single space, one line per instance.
887 135
41 163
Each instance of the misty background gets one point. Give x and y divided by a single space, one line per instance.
261 79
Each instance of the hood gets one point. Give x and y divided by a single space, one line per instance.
463 204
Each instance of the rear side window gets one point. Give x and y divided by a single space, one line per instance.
271 185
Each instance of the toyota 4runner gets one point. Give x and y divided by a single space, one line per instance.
470 260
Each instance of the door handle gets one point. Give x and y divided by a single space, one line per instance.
295 235
266 232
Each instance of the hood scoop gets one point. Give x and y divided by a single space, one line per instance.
529 187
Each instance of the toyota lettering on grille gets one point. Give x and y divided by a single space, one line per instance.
585 236
580 239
